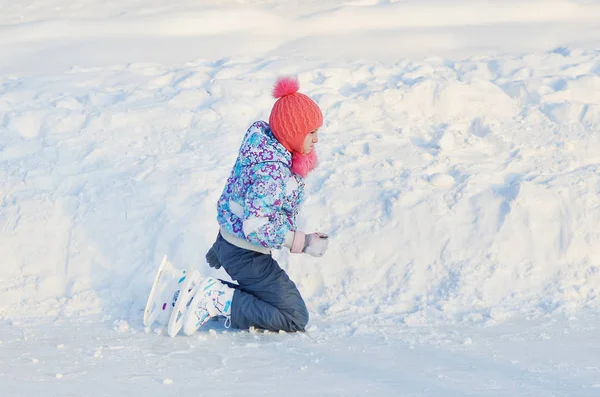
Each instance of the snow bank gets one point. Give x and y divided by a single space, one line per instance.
452 191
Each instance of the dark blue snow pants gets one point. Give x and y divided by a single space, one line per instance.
264 297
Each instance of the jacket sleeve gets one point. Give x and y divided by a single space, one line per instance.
265 221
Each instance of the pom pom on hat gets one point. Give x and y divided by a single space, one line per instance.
294 115
285 86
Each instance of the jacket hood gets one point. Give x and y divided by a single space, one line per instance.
260 146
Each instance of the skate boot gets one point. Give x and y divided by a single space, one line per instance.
213 298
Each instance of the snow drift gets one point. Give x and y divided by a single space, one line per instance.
460 190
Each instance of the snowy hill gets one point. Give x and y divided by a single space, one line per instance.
458 182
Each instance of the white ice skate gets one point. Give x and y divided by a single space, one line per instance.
164 293
213 298
189 284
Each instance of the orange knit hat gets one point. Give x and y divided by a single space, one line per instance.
294 115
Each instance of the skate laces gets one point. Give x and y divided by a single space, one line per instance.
224 308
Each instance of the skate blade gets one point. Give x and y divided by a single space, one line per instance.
150 313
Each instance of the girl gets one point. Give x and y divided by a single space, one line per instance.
257 213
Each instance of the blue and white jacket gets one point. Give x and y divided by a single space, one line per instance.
260 201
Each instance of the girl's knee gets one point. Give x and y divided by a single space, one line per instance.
298 318
303 320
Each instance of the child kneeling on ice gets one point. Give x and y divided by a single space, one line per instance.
256 214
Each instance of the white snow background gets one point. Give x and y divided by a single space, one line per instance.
458 181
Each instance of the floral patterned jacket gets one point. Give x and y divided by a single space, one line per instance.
261 197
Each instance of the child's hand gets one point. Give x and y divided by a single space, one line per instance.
211 258
315 244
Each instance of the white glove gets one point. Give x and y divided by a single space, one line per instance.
315 244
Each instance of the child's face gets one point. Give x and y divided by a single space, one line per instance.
309 142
